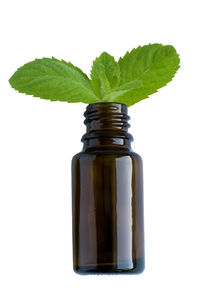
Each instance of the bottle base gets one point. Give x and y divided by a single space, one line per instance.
105 269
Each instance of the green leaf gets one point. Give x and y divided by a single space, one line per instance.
134 77
122 90
49 78
105 74
154 64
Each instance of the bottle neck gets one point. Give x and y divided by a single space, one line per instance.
106 127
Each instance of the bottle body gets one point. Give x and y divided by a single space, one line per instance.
107 210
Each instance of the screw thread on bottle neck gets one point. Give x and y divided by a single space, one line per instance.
107 126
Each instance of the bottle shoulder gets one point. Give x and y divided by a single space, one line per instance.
107 154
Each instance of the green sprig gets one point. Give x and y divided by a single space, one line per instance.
134 77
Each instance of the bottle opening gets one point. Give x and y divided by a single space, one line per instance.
107 124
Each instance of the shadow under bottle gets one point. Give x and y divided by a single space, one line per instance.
107 196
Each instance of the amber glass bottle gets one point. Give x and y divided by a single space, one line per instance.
107 196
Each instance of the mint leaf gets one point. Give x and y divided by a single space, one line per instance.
49 78
154 64
134 77
123 90
105 74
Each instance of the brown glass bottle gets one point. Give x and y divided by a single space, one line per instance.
107 196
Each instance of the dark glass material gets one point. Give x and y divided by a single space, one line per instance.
107 196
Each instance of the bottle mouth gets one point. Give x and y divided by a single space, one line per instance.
106 117
107 113
106 107
107 120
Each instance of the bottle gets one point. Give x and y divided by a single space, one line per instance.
107 196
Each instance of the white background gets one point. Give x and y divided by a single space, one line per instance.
38 139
